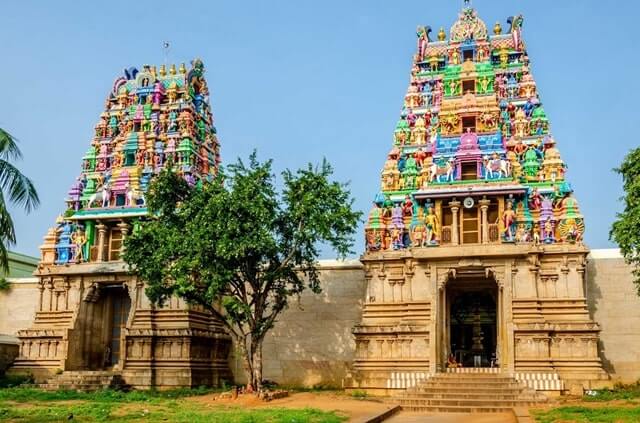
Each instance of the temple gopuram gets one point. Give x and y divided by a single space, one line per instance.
94 323
474 246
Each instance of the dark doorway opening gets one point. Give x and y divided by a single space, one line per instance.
473 338
121 304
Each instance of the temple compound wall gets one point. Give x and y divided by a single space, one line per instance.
312 343
615 305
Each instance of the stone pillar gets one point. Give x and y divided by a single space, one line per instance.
455 236
444 348
432 277
102 236
501 333
124 229
484 206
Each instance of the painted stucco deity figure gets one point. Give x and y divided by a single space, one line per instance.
158 90
390 172
521 124
410 172
516 30
508 222
79 240
423 40
401 134
374 240
407 207
432 226
419 132
453 87
397 216
437 94
418 234
531 164
75 193
172 92
522 235
388 240
516 167
535 200
413 99
454 57
547 230
427 94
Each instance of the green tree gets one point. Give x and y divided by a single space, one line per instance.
626 229
240 248
15 189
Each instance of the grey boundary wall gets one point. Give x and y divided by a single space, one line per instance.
312 345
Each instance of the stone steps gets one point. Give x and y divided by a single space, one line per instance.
462 390
84 381
465 402
468 393
472 385
456 409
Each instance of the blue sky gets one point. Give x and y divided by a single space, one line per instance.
299 80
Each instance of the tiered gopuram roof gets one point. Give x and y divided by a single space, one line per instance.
473 136
153 118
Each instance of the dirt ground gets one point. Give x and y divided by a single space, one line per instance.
326 401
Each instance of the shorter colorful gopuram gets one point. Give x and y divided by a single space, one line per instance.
93 313
152 119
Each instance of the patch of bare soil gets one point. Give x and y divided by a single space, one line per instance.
325 401
31 404
136 408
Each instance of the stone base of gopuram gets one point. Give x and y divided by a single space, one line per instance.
96 317
535 316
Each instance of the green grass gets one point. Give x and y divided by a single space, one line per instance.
579 414
619 392
34 406
20 394
359 394
170 411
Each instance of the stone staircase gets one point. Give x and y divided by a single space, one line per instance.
468 393
85 380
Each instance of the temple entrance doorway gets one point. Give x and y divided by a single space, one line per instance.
120 306
103 318
472 323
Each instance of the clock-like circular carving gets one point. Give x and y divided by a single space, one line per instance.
468 203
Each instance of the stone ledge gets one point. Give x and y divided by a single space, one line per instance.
9 340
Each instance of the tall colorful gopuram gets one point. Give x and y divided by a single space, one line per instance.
474 252
93 314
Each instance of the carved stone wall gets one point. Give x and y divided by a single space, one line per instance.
543 324
172 346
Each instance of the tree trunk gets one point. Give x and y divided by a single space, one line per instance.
257 366
247 361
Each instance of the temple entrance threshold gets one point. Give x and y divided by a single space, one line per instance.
471 330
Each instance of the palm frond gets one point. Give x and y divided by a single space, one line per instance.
19 188
7 234
9 149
